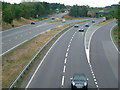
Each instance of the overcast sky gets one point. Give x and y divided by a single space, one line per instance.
91 3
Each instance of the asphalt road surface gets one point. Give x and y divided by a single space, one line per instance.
14 37
104 57
66 57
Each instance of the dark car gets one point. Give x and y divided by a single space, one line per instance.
81 29
76 25
53 18
93 21
79 81
86 25
33 22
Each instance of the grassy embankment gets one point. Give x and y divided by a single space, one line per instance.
20 22
116 35
103 22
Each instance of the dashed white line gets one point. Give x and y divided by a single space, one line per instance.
64 68
63 78
97 87
44 59
67 49
65 60
68 45
96 83
94 80
66 54
94 77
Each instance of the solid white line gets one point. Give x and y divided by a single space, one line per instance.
63 78
13 47
112 39
65 60
64 68
66 54
44 59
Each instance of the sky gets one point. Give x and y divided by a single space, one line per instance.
91 3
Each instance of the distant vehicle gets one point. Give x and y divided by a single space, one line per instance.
81 29
93 21
63 21
86 25
79 81
53 18
76 25
33 22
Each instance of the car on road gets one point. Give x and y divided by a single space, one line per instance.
93 21
76 25
81 29
53 18
63 21
79 81
33 22
86 25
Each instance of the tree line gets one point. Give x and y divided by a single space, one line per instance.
28 10
78 11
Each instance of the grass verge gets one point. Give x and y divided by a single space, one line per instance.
14 61
103 22
115 34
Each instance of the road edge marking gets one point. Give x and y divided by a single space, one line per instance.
113 40
44 58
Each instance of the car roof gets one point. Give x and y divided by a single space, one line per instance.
80 75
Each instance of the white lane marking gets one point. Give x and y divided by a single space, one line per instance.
94 80
65 60
68 49
44 58
13 47
112 39
63 78
70 42
66 54
64 68
97 87
68 45
88 51
94 77
96 83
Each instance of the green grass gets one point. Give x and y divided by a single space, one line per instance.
116 36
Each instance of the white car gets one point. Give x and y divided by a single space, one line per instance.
81 29
63 21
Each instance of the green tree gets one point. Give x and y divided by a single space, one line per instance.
8 15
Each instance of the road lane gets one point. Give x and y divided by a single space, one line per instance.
50 73
104 57
77 61
31 31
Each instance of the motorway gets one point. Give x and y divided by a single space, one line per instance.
104 57
68 56
16 36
